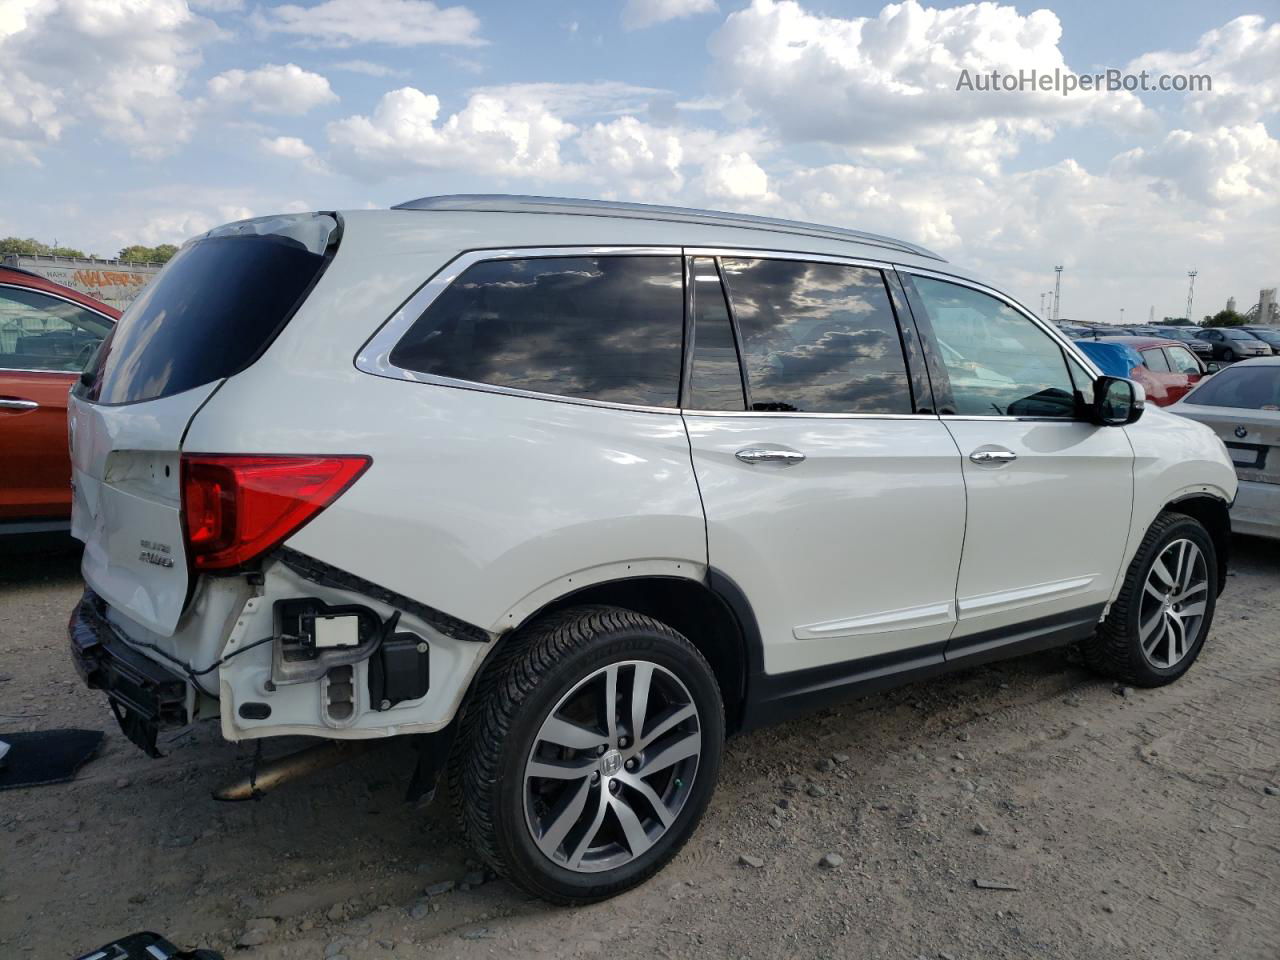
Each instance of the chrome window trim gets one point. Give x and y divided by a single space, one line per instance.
375 356
780 414
55 296
755 253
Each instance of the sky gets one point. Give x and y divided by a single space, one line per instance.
150 121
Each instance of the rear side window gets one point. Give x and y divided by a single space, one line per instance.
594 328
817 337
1181 360
1155 361
1250 387
213 308
40 332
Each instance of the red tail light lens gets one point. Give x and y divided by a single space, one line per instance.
237 507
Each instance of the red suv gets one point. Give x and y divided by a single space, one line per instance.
48 333
1169 369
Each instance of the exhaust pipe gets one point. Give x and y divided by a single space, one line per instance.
269 775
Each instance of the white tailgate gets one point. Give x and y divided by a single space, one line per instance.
127 503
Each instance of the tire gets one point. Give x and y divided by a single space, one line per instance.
558 669
1144 641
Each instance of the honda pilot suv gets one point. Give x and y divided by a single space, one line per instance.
568 491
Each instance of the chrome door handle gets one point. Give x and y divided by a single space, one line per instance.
6 404
993 456
769 455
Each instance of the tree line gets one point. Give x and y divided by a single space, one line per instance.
31 247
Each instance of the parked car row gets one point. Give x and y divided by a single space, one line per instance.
1225 344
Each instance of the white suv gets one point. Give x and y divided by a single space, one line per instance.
569 490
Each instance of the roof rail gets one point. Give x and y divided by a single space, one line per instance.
514 203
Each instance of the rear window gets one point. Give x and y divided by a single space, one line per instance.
1247 387
213 309
594 328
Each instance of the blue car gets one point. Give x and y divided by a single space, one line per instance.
1113 359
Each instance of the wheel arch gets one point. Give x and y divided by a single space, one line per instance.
1214 515
710 613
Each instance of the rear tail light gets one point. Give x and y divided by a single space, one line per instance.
237 507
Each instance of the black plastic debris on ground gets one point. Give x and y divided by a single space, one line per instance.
146 946
46 756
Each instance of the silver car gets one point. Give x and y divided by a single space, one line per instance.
1242 405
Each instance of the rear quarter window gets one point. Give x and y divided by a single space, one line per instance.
594 328
213 309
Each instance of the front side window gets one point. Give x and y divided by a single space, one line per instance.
998 361
1154 360
1181 360
817 337
40 332
595 328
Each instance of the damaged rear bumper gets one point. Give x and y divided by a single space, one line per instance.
144 696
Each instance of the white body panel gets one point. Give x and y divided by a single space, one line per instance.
487 506
852 552
1046 532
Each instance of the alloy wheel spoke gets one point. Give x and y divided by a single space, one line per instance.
566 734
1191 591
559 770
637 840
1161 571
680 750
1193 610
566 814
611 702
1154 591
1189 567
584 844
669 722
640 699
1147 628
659 808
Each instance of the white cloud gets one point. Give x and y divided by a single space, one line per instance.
368 68
891 79
286 89
602 98
293 148
495 135
638 14
1242 58
1220 167
397 23
123 66
736 177
629 151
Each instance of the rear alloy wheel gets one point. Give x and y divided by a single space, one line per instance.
1158 624
589 754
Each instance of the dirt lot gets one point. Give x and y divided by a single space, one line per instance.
1131 823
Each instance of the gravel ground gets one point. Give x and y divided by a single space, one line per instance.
1025 809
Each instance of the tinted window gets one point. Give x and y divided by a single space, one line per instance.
40 332
998 361
1238 335
1181 360
715 381
1154 360
209 313
1250 387
598 328
817 337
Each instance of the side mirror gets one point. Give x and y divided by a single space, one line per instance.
1212 367
1117 401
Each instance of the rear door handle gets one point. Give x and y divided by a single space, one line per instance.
993 457
11 403
783 455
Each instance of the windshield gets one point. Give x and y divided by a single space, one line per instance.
1239 335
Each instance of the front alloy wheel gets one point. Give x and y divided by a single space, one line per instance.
1173 604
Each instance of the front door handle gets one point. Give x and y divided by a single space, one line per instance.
782 455
12 403
993 457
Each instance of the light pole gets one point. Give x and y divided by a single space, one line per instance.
1122 316
1057 291
1042 306
1191 293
